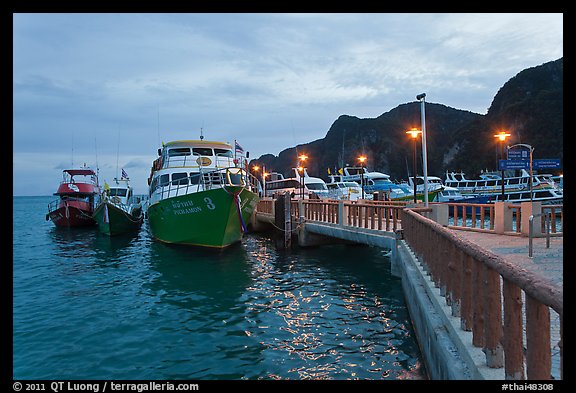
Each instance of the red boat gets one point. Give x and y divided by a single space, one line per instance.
77 196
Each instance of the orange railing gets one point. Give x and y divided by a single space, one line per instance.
486 293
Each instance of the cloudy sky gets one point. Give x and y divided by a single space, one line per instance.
107 89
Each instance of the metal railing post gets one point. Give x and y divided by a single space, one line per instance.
530 235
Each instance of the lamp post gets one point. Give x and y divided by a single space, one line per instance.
414 132
301 169
362 159
502 135
422 99
264 174
255 168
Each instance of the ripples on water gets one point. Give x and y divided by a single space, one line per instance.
91 307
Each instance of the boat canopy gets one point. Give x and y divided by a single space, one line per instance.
199 143
73 172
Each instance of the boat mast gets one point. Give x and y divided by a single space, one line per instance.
97 168
117 154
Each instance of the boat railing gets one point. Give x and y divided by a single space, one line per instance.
196 161
205 180
56 203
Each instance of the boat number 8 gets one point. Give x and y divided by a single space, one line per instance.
209 203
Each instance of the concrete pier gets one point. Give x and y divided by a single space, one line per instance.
465 287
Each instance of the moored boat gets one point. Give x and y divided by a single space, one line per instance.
119 211
314 187
344 190
516 188
78 194
200 195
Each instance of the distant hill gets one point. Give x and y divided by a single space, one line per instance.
529 106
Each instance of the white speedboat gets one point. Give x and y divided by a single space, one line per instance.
314 187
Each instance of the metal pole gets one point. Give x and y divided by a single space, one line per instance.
264 181
530 234
531 183
414 170
302 184
502 157
422 98
362 178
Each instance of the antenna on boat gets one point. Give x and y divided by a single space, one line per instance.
97 168
72 150
158 121
201 135
117 152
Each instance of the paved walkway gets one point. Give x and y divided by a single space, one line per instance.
546 262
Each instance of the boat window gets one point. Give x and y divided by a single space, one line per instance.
235 178
525 195
223 153
491 183
381 180
180 178
332 186
164 180
470 184
179 151
121 192
315 186
515 180
194 178
202 151
481 184
514 196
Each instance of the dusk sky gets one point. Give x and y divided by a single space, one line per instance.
107 89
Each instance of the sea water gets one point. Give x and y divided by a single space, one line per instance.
87 306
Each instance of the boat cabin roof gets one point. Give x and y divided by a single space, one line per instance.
85 172
198 143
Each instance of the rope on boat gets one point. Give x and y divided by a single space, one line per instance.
236 197
239 210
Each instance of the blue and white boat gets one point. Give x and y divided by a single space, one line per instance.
373 181
516 188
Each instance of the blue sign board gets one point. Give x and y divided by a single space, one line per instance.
519 154
513 164
546 163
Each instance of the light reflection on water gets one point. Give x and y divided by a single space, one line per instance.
331 318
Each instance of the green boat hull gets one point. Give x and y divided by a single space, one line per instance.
206 218
117 221
419 197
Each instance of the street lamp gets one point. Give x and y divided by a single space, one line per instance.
362 159
301 169
502 135
264 174
422 98
414 132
